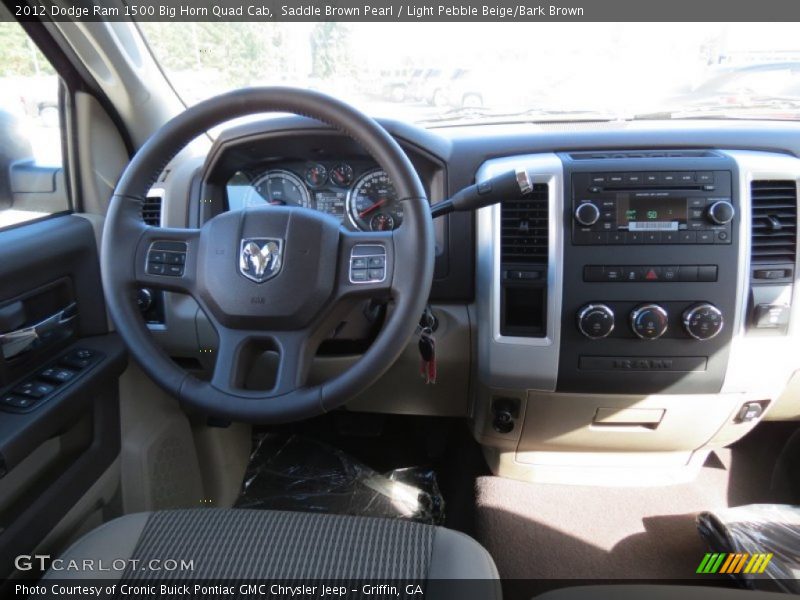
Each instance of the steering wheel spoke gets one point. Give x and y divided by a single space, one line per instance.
285 355
167 259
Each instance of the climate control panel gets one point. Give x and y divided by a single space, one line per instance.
650 321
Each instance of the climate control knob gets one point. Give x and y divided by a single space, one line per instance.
649 321
596 321
587 214
703 321
721 212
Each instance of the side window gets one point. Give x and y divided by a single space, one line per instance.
32 178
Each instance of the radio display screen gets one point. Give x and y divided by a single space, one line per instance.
649 213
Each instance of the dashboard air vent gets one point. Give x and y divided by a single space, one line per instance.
524 228
151 211
774 221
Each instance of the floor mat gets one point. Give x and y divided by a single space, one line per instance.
303 474
540 531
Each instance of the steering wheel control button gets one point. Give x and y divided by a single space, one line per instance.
166 258
649 321
367 263
703 321
596 321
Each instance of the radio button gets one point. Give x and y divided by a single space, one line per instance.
616 178
633 178
634 237
705 177
669 237
616 237
687 237
686 177
667 178
651 178
705 237
652 237
599 237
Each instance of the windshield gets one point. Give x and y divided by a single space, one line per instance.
492 72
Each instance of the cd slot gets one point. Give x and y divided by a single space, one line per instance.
672 188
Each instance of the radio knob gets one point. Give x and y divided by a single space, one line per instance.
649 321
587 214
721 212
703 321
596 321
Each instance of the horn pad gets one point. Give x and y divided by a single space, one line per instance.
270 266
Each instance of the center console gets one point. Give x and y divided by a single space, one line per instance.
650 273
634 312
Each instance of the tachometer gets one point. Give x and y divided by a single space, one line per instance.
278 187
372 203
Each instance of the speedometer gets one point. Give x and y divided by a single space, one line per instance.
372 204
278 187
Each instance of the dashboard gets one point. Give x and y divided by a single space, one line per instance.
642 299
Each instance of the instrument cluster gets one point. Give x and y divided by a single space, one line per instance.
357 192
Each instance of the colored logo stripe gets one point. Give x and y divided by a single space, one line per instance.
729 563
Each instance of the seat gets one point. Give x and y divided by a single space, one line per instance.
227 544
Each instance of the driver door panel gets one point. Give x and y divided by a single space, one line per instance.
59 370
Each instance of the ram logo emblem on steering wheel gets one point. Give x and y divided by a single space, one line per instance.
260 258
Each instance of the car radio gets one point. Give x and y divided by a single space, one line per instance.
664 207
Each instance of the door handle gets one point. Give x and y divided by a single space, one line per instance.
16 342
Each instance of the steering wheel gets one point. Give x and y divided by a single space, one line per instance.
270 278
